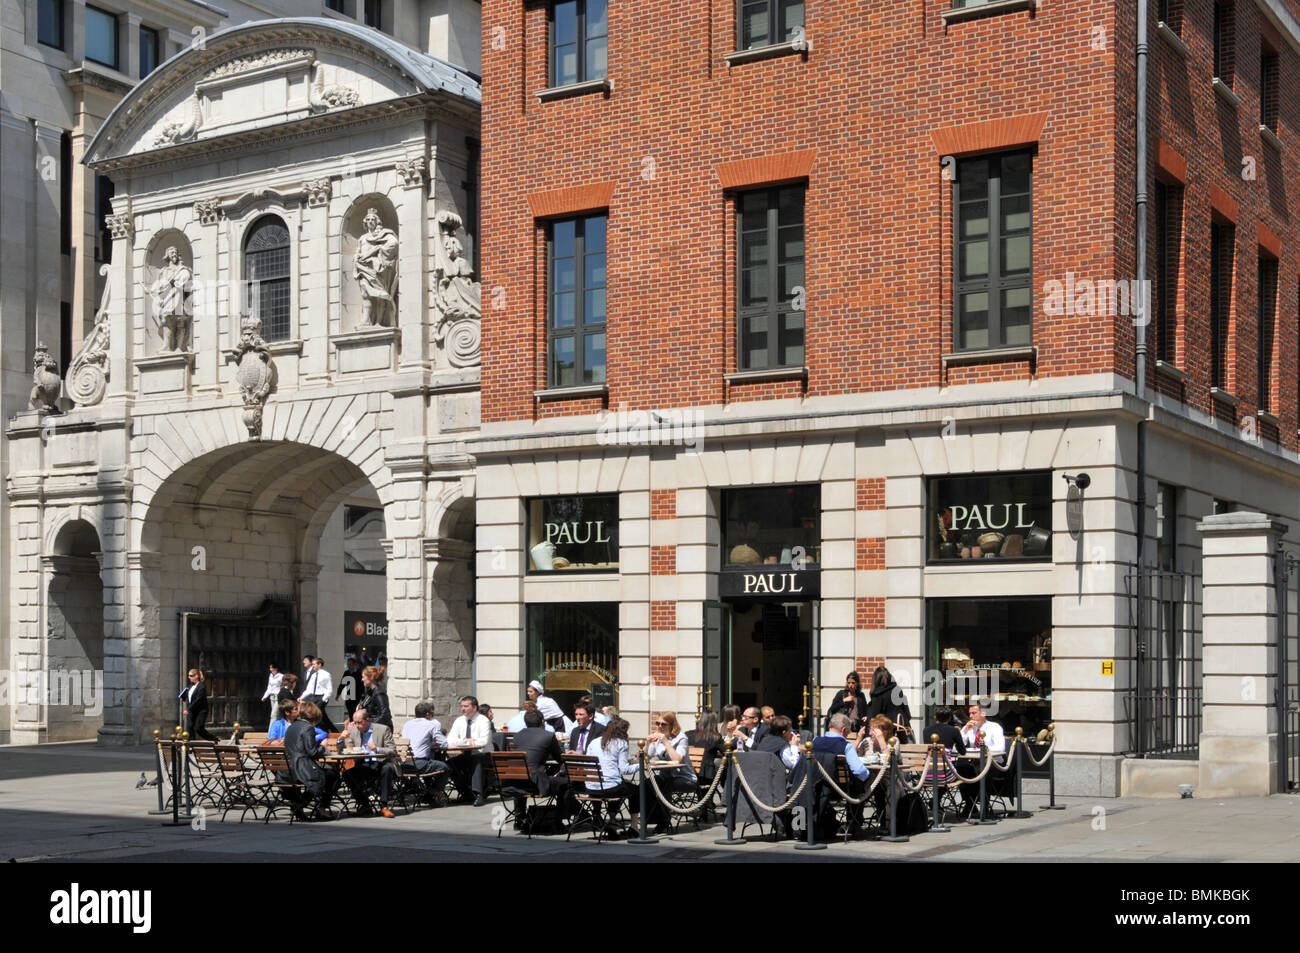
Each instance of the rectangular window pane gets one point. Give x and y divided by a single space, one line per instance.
562 305
753 287
597 65
49 23
148 51
363 533
594 307
1016 255
974 260
273 309
573 533
101 37
974 320
973 177
564 274
754 19
374 14
593 358
1017 316
573 644
1016 214
790 345
753 342
791 17
597 18
1221 255
566 23
593 270
974 219
562 370
1015 174
1267 299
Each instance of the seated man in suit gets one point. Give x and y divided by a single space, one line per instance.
782 740
542 748
585 727
384 767
304 750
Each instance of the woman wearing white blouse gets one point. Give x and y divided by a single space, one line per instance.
273 683
669 743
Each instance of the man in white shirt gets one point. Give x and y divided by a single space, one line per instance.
551 712
994 737
318 688
470 733
273 683
426 737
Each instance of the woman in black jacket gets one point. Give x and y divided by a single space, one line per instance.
707 736
373 698
195 699
887 699
849 701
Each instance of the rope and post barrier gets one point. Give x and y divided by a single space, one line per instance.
894 837
985 764
645 805
729 757
162 807
180 766
936 826
1051 804
809 802
1020 744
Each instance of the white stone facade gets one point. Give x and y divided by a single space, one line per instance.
206 474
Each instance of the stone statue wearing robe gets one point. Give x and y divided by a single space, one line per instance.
376 272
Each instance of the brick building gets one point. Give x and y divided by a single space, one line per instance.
806 318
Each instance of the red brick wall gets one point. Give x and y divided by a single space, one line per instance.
663 560
663 615
880 80
663 504
871 553
865 666
870 612
871 493
663 669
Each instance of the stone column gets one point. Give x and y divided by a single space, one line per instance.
1238 755
139 671
45 257
412 262
450 638
405 604
307 588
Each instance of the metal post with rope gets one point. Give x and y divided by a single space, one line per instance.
985 764
894 837
936 825
1051 804
809 802
1020 744
728 758
645 807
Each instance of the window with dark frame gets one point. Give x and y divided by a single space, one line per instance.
149 50
66 173
1224 41
1268 90
104 192
101 37
363 533
770 281
1266 296
1170 13
579 41
1222 244
1167 527
1167 210
373 14
266 276
762 23
335 5
993 235
575 320
49 23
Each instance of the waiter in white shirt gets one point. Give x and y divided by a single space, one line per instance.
317 688
994 737
551 712
467 750
272 692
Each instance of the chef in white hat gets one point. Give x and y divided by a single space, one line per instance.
546 705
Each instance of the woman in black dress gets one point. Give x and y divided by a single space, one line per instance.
849 701
705 735
373 698
887 699
195 699
288 688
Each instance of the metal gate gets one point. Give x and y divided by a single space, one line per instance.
233 650
1286 698
1163 701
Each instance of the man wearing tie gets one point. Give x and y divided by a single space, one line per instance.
586 729
317 688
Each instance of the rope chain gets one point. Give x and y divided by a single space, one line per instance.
705 799
844 794
1047 754
740 776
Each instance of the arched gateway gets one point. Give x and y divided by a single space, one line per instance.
271 434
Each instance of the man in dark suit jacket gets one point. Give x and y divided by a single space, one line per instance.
586 730
541 746
303 750
383 769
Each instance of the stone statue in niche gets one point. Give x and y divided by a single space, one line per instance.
457 296
46 385
376 272
172 309
87 376
254 372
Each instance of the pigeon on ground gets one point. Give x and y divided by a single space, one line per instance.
153 782
142 782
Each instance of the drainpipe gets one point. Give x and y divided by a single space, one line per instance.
1141 367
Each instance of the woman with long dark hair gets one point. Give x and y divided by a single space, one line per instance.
850 701
195 699
887 699
611 749
706 735
373 698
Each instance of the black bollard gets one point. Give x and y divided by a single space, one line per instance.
180 781
936 827
162 808
1020 777
1051 804
645 806
894 837
730 796
811 843
983 797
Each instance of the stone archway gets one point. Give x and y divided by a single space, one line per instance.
73 677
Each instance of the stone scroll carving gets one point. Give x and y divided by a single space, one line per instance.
88 373
321 97
46 385
458 297
173 309
375 270
254 372
181 130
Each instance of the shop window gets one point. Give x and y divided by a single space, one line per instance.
573 534
998 516
363 529
573 649
999 650
772 525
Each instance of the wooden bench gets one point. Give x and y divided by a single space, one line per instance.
584 769
412 779
516 781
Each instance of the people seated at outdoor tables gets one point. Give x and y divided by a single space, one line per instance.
585 727
836 742
667 742
516 723
949 736
424 732
749 728
874 739
467 747
542 749
599 714
304 752
706 735
275 734
887 699
782 740
551 712
850 701
616 771
371 736
374 699
729 721
994 738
